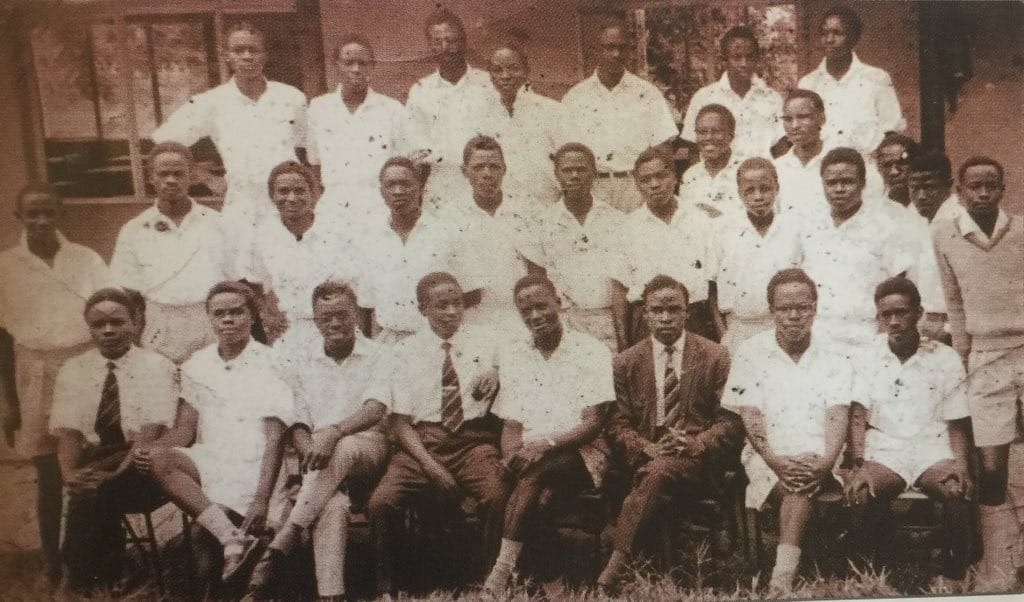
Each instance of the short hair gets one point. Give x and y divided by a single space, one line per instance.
481 142
757 163
407 163
353 38
844 154
247 27
931 162
516 49
789 276
898 285
574 147
852 22
171 147
330 289
655 153
978 160
37 187
444 16
114 295
291 167
814 97
608 21
428 282
720 110
739 32
534 280
910 146
240 288
661 281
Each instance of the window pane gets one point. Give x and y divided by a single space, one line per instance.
110 73
182 64
65 85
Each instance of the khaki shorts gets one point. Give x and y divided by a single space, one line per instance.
995 386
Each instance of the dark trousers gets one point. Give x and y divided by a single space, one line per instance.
93 537
559 474
471 455
663 480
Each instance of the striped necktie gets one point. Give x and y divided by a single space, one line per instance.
671 380
108 416
451 397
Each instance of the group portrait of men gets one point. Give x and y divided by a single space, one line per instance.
494 299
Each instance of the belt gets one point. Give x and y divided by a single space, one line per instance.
614 174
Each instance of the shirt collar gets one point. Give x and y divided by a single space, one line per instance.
855 67
62 244
967 226
361 348
153 217
237 92
757 85
372 99
120 362
563 214
659 347
625 82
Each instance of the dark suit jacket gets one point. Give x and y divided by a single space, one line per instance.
718 433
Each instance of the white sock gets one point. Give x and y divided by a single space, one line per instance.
787 559
509 552
508 555
216 522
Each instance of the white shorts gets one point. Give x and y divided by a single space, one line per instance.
227 480
35 374
995 387
907 458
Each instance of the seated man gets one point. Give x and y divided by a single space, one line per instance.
667 423
106 401
553 386
793 393
338 438
439 384
909 424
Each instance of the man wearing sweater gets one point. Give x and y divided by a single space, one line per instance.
981 261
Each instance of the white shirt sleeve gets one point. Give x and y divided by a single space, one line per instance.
124 264
191 122
67 397
312 127
300 121
378 387
742 389
887 106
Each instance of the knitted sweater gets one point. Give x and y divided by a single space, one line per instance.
983 279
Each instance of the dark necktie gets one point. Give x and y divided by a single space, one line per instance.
451 397
671 380
108 416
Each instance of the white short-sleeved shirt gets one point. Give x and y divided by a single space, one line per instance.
847 262
432 93
168 263
41 306
912 400
252 136
860 107
620 123
678 249
293 268
719 192
548 396
802 191
580 259
742 261
326 391
407 379
351 146
147 385
758 115
393 268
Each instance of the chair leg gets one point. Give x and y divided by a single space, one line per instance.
158 573
190 559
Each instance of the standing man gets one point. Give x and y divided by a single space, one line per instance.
255 124
667 425
173 253
352 132
756 106
46 279
981 261
860 100
617 115
711 182
577 246
793 393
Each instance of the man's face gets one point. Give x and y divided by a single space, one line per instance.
793 309
892 164
802 121
247 54
758 190
355 64
111 328
485 170
843 186
335 317
171 175
834 37
713 136
508 72
656 182
575 173
740 60
927 191
981 190
612 49
39 214
292 197
665 312
898 318
230 318
402 191
444 308
447 44
539 306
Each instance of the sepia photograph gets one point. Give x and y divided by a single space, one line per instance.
525 300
